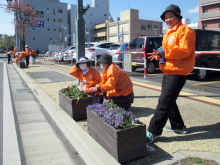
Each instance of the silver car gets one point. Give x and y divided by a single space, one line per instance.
117 50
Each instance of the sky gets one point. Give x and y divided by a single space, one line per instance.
148 9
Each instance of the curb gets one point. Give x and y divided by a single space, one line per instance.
89 150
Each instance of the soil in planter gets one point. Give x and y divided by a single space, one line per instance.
196 161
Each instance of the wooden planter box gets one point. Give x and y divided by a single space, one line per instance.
124 145
77 110
21 65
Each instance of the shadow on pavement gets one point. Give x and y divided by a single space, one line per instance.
196 133
141 112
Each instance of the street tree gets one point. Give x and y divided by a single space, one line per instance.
24 16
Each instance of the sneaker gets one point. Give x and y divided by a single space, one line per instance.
150 137
180 131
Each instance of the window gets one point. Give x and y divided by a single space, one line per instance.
155 27
204 27
48 29
105 14
48 12
137 43
59 29
48 19
53 11
155 43
91 14
54 20
218 25
60 20
143 27
50 39
60 11
33 38
91 22
33 28
54 29
205 10
149 27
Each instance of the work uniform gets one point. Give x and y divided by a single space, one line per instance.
27 57
21 55
11 53
179 45
92 76
117 86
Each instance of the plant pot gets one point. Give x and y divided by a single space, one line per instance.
76 109
124 145
21 65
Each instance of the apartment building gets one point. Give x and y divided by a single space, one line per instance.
52 19
209 14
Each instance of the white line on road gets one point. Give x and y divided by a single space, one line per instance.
11 154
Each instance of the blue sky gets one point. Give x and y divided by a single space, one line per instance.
147 10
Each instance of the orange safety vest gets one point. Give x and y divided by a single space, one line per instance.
93 77
115 82
179 45
22 55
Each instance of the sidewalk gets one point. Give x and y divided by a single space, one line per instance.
200 113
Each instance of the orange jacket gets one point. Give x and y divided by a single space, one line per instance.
11 53
93 77
115 82
22 55
15 49
179 45
16 60
32 52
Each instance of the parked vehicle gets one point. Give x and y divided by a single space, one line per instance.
61 55
57 55
48 53
67 56
97 47
117 50
206 40
144 44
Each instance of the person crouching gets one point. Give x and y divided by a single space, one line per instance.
116 85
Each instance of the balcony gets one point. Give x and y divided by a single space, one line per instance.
210 16
208 2
99 26
100 34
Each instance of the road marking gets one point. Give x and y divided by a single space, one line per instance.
206 83
191 96
11 154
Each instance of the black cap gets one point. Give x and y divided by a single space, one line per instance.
105 58
172 8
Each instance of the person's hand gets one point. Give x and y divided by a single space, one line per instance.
93 89
85 82
153 55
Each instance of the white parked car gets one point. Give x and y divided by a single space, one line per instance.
57 55
96 47
117 50
61 55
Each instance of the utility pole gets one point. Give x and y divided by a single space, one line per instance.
80 30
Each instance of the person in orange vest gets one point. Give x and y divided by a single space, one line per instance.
87 75
20 55
11 53
178 50
32 55
28 56
116 84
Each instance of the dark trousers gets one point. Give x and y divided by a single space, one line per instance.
121 101
167 107
9 58
37 55
27 60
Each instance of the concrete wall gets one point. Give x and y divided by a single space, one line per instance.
43 35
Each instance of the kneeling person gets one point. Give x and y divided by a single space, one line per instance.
116 85
86 74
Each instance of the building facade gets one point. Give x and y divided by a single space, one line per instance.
131 26
52 18
209 14
96 14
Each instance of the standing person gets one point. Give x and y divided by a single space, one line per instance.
116 85
37 52
28 56
89 76
178 48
